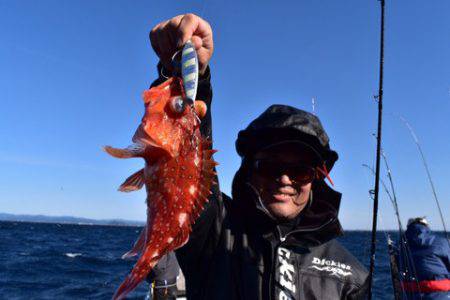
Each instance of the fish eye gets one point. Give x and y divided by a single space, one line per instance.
178 105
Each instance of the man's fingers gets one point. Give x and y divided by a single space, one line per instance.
172 28
154 39
188 25
203 29
197 41
164 41
169 36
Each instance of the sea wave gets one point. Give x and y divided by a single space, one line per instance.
72 255
48 261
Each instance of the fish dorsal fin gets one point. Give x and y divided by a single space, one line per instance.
208 178
133 183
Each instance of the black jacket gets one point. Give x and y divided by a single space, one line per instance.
236 251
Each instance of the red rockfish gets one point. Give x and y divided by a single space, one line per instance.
178 174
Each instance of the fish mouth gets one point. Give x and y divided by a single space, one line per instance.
151 144
141 137
147 141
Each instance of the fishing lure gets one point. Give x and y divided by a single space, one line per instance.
189 70
178 172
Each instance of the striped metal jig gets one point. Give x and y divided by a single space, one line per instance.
189 70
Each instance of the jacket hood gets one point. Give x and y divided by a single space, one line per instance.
419 235
316 224
280 123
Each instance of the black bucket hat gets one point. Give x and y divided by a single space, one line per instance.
283 123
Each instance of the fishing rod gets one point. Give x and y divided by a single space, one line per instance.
394 196
377 172
391 247
403 241
424 161
371 192
409 267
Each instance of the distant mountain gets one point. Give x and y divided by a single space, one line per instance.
67 220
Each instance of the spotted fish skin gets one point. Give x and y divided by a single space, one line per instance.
189 70
178 175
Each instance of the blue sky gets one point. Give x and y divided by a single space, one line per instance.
72 73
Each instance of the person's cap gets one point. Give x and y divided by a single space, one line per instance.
286 124
296 146
419 220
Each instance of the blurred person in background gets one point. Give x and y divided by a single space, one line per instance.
430 256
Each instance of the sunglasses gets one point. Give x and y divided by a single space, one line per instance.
299 172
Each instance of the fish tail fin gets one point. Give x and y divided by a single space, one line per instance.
133 183
134 150
140 271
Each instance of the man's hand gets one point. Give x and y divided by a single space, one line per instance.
169 36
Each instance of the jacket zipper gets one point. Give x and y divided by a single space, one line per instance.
274 262
275 254
283 238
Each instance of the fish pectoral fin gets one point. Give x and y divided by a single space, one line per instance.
133 183
134 150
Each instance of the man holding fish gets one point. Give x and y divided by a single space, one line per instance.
276 238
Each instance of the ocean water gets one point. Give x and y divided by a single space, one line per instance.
63 261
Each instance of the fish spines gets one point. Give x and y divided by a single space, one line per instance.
207 179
